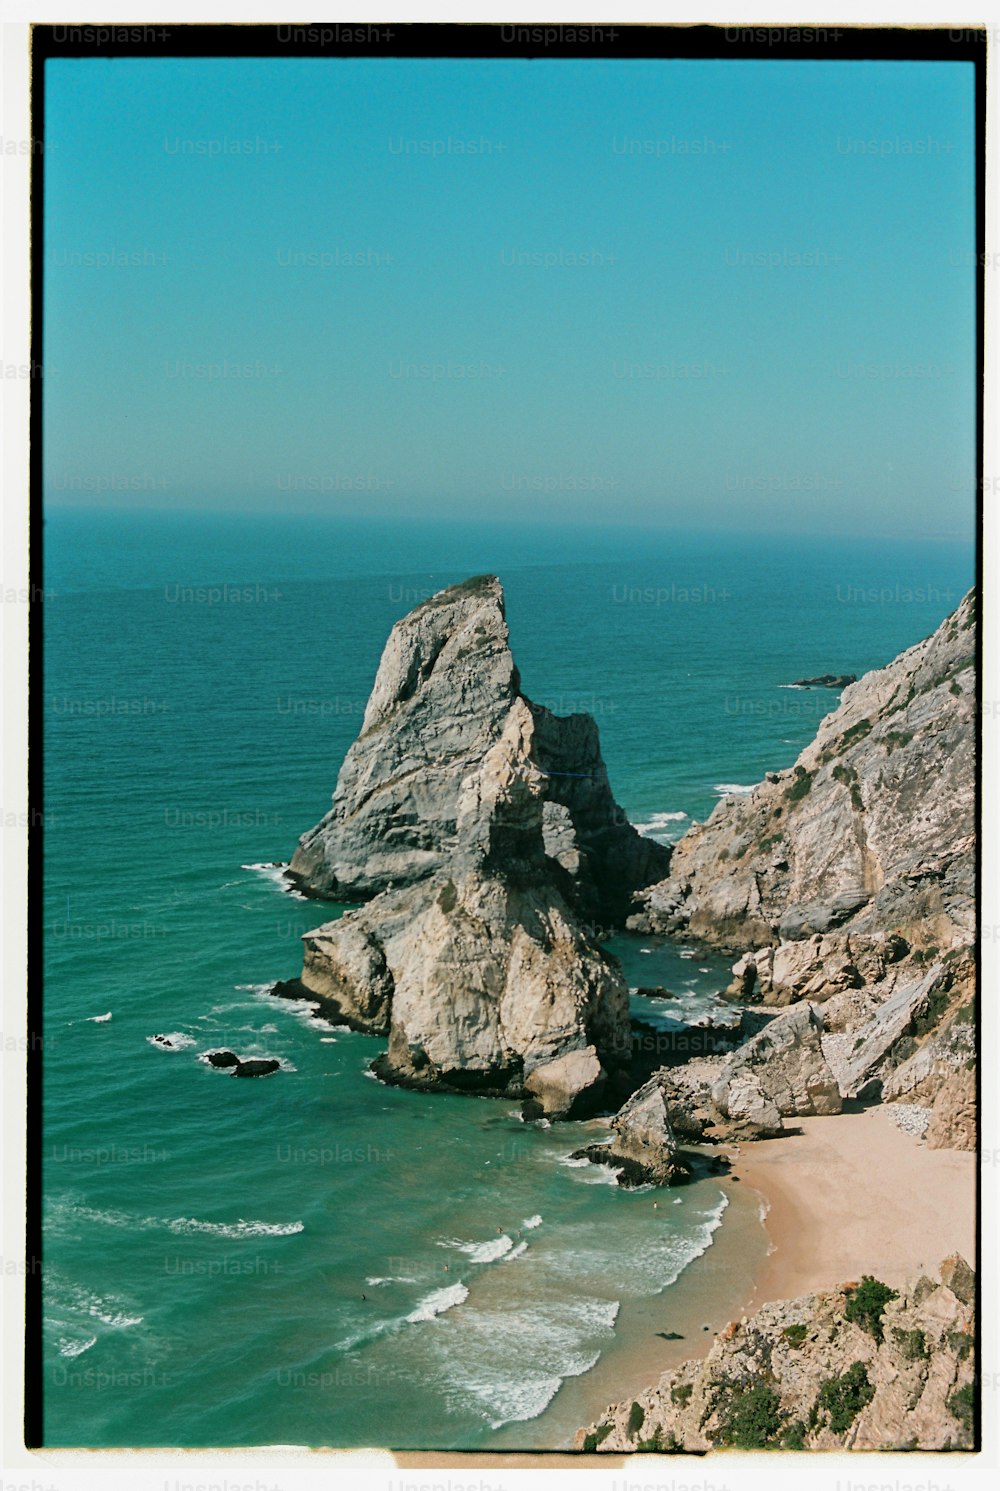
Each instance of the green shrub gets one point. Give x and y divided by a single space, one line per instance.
801 786
855 733
912 1344
794 1437
962 1405
448 899
600 1434
636 1419
937 1002
681 1393
866 1303
795 1334
960 1342
842 1398
894 738
653 1445
751 1420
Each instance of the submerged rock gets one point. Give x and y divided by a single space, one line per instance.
444 693
252 1066
826 681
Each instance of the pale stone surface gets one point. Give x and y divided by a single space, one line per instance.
784 1064
915 1392
444 693
481 973
875 822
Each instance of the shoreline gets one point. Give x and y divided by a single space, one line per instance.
709 1291
835 1198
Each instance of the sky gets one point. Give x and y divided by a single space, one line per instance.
691 293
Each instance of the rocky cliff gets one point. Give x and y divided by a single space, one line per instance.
848 883
870 832
862 1367
477 966
445 690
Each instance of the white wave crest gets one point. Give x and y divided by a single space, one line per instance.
68 1347
172 1040
438 1302
534 1221
659 821
276 873
235 1229
734 789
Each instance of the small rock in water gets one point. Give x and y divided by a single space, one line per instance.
222 1058
256 1067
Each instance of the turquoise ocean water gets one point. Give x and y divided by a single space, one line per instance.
315 1258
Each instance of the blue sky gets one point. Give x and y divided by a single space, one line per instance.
691 293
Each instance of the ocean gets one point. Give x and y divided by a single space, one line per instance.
315 1258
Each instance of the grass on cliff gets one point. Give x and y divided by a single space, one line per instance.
472 586
591 1441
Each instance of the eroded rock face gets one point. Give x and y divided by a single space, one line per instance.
870 832
481 973
821 1381
954 1114
782 1071
644 1146
877 1046
445 689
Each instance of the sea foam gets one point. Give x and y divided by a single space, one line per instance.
437 1303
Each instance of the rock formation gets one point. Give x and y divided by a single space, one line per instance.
871 832
446 687
784 1068
479 971
644 1148
859 1368
849 882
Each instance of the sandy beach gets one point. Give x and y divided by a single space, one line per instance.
843 1196
853 1194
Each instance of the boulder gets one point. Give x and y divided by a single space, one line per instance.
644 1144
784 1065
885 1040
